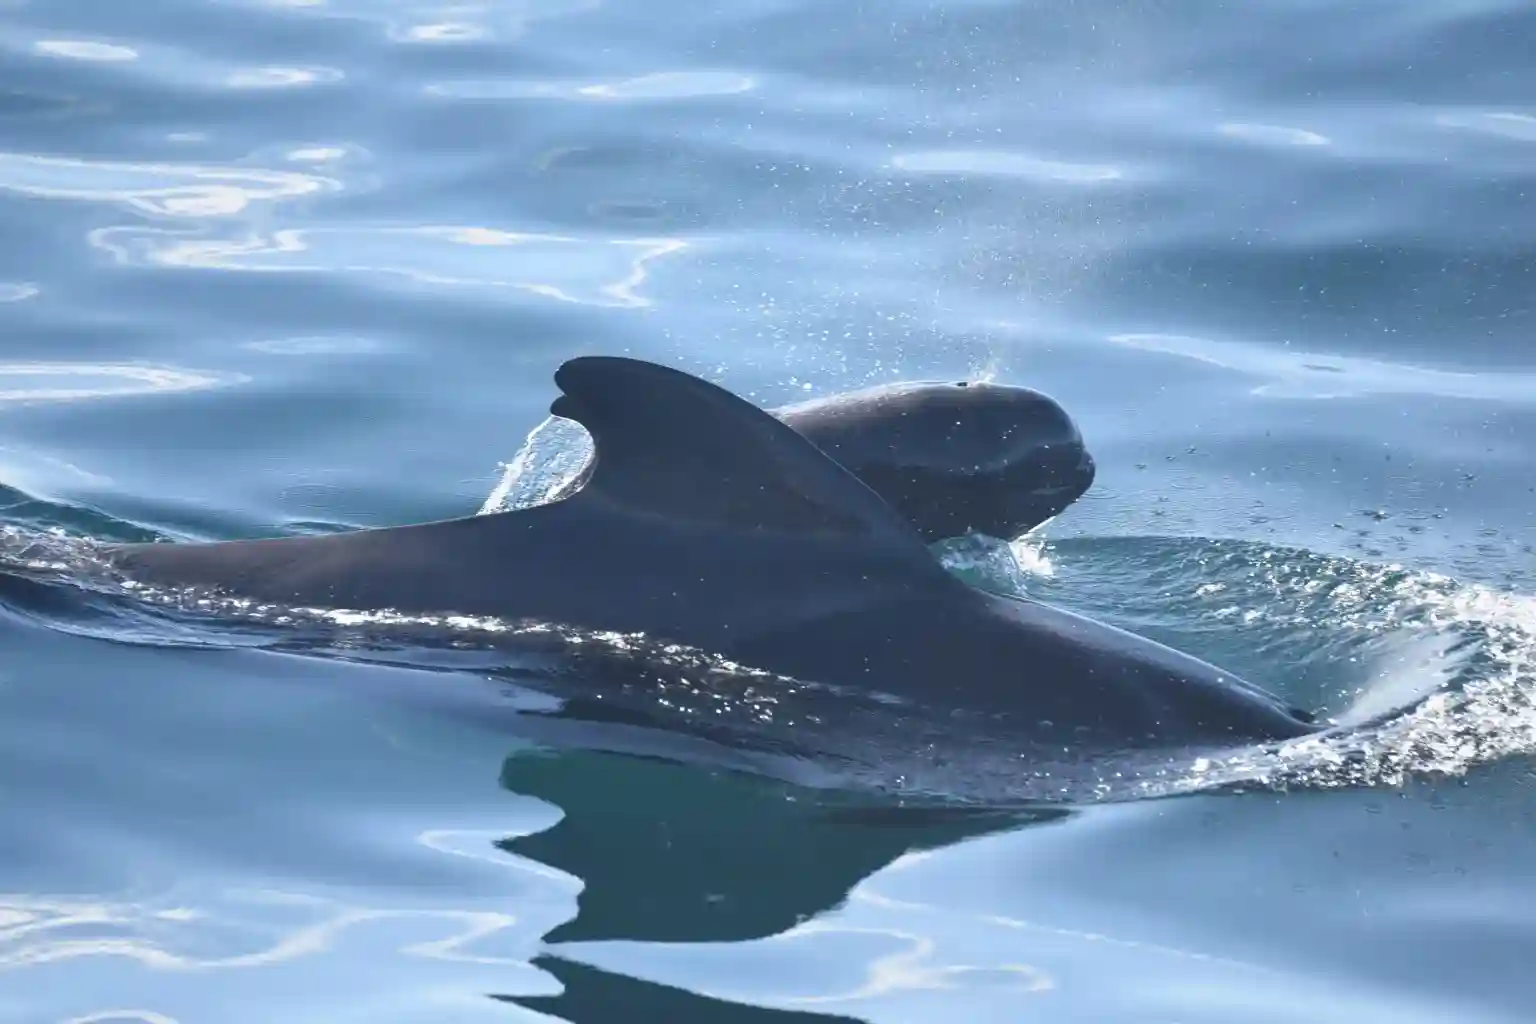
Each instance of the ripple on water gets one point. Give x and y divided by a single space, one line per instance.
599 271
83 49
281 77
18 104
29 382
161 189
315 345
1503 124
1003 163
443 32
270 935
318 154
424 21
450 22
174 66
1273 134
39 475
1292 374
663 85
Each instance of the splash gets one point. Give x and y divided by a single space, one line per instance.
1454 685
995 564
552 456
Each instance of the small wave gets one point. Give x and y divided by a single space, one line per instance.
432 21
1287 373
1273 134
1004 164
604 272
73 382
316 345
665 85
1503 124
1452 666
160 189
281 77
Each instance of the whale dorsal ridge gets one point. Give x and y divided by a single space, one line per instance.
673 445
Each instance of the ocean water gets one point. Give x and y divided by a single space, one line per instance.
273 266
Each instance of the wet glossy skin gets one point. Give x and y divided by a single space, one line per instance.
709 523
955 458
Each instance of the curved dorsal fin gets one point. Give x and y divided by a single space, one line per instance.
674 445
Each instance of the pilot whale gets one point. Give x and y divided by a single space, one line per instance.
706 521
955 458
952 457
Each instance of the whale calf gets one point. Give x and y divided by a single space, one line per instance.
705 521
953 458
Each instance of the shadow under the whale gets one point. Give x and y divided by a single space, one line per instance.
718 856
592 996
670 853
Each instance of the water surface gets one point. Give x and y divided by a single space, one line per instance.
284 265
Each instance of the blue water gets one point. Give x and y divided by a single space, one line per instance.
283 265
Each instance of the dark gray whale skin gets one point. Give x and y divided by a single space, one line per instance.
954 458
951 458
707 522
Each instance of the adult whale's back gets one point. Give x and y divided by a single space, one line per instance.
708 522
